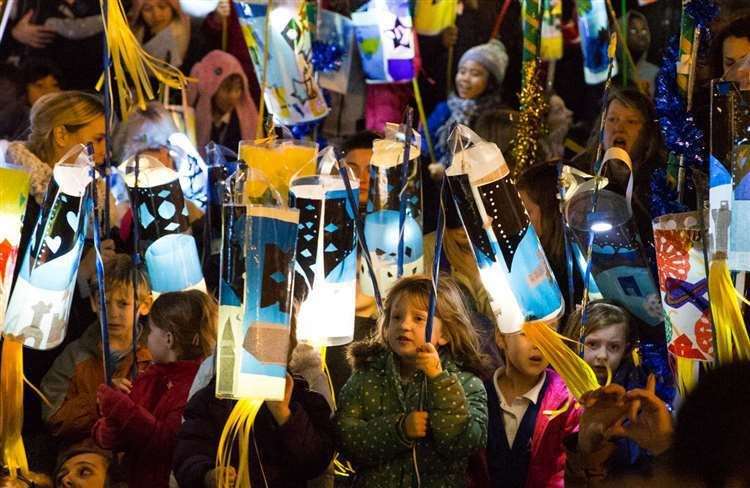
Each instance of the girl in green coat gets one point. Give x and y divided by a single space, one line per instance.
413 412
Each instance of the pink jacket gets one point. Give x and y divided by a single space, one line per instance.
547 466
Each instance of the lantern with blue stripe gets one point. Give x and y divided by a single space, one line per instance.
326 256
40 302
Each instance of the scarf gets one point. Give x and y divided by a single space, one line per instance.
464 111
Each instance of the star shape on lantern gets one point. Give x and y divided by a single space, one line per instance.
304 90
401 35
292 34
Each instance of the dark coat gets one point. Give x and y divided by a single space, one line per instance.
286 456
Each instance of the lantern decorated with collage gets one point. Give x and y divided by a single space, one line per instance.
291 92
326 255
618 265
684 286
40 302
255 289
593 25
333 48
14 194
191 168
511 262
383 30
388 191
161 214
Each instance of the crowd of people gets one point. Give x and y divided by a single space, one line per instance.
471 406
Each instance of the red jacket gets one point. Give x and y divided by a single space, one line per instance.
144 425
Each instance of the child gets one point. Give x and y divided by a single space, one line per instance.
292 439
143 420
413 412
524 442
607 342
224 111
71 383
162 28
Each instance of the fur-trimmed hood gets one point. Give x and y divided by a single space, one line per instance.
39 171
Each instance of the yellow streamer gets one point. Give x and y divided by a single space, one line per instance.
686 377
11 407
552 414
578 376
732 341
131 63
237 429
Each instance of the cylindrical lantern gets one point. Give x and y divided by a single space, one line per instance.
292 93
388 190
279 160
326 258
40 303
684 287
618 265
431 18
593 25
383 30
162 217
263 343
14 193
334 47
511 262
192 170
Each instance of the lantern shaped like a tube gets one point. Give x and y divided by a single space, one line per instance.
14 193
388 191
40 303
162 217
511 262
192 170
292 93
593 25
684 286
618 265
385 40
279 160
326 256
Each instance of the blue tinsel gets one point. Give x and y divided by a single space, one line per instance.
326 56
702 11
663 197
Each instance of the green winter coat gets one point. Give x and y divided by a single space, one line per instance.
373 404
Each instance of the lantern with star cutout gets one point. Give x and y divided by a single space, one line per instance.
40 302
292 93
326 256
393 186
385 40
512 264
161 215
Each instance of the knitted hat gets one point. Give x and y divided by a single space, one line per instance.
211 71
492 56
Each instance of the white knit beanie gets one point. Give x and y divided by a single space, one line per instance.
492 56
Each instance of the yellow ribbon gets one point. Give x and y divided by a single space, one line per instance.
732 341
237 429
11 407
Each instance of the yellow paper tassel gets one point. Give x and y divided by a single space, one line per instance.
732 341
132 64
237 429
578 376
635 356
11 407
686 374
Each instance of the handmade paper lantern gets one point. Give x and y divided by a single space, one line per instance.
333 48
326 256
191 168
40 302
618 265
292 93
552 39
431 18
383 30
279 160
511 262
684 286
382 224
162 217
594 31
14 193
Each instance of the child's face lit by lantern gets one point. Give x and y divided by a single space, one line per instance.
733 50
94 132
120 316
471 80
604 348
521 354
406 328
86 470
359 161
157 15
622 127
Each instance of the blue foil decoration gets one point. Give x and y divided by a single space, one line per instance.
327 56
